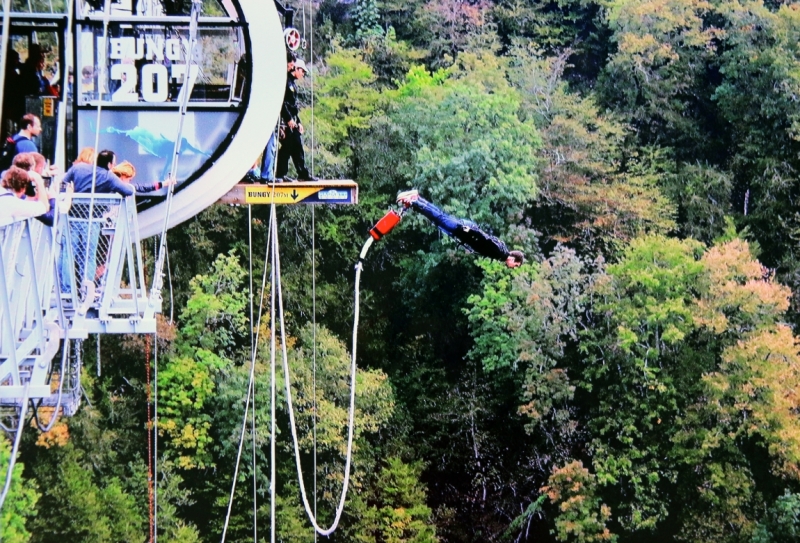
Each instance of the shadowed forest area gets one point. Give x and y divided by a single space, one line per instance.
638 379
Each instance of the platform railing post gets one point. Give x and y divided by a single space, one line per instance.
9 346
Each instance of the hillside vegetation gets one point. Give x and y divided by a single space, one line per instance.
638 379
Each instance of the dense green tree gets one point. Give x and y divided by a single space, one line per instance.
79 504
655 77
782 522
206 344
586 196
20 503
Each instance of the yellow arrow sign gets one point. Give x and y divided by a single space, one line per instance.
263 194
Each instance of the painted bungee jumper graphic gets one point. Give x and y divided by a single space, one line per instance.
157 145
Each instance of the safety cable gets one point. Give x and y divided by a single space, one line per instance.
155 435
253 357
313 256
149 436
169 279
314 353
12 460
272 382
158 272
106 20
351 417
252 377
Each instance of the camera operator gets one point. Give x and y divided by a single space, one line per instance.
13 204
36 166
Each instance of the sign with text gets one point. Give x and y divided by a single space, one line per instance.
153 64
308 192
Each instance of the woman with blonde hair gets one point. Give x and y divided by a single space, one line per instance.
86 156
126 172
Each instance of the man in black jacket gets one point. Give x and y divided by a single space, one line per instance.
292 141
466 232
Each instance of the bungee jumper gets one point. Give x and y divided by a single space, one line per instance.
466 232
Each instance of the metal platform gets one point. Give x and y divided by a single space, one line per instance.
298 192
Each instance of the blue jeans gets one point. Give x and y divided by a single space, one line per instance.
84 241
268 162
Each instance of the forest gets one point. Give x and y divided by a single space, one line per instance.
637 379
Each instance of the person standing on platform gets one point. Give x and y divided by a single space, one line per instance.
268 160
292 141
85 231
30 127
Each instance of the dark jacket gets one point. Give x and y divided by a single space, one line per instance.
290 111
466 232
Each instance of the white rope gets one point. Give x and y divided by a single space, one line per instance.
314 355
249 386
313 258
158 279
169 279
351 417
253 357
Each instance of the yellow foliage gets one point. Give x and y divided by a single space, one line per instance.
737 287
58 436
755 391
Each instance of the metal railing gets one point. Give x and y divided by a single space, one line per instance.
102 268
84 275
30 328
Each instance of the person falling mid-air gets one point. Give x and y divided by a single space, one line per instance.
464 231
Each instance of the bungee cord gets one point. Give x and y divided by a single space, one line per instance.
252 378
351 416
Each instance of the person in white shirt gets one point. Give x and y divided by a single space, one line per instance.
12 205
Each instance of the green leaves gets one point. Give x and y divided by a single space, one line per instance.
396 511
20 503
212 325
581 515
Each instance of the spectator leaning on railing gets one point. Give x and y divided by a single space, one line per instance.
36 166
13 206
105 181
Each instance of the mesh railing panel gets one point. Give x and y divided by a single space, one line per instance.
91 239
